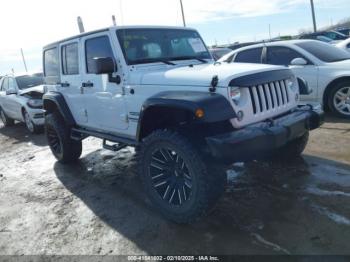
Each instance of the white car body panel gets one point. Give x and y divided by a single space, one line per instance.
198 75
345 45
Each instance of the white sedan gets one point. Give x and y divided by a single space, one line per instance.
325 67
21 100
345 45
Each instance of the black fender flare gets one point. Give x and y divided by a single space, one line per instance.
215 106
60 103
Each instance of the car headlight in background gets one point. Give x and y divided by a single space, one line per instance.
35 103
235 94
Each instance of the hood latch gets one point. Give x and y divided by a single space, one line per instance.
214 84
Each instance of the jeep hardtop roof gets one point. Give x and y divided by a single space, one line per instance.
114 28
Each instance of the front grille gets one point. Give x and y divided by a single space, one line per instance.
39 115
270 96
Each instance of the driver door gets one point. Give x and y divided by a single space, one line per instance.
105 103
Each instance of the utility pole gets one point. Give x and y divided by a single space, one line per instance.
313 15
80 25
183 14
114 21
24 61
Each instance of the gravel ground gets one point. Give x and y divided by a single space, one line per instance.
98 206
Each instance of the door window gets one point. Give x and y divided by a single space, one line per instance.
249 56
11 84
5 84
70 59
97 47
51 67
279 55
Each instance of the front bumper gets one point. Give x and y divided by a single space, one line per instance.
36 115
255 140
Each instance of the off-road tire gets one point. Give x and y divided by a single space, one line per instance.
5 119
331 96
206 187
65 149
292 149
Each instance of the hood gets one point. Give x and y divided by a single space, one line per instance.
36 91
196 75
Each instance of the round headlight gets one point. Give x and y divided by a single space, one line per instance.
35 103
290 82
235 94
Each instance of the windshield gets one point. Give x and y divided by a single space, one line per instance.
158 45
218 53
325 52
28 81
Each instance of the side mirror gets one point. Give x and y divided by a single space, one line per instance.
298 62
104 65
11 92
304 88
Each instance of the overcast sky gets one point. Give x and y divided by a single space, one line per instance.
30 24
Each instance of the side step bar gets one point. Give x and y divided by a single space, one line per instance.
115 147
80 134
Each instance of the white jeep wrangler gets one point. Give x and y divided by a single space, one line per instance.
159 90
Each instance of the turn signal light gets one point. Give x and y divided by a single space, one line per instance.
199 113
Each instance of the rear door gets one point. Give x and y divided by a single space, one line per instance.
253 55
70 86
283 56
105 101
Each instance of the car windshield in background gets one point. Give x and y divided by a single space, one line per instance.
28 81
142 46
325 52
218 53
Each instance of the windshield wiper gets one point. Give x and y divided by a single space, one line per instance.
167 62
151 60
189 58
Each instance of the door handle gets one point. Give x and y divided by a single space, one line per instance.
65 84
87 84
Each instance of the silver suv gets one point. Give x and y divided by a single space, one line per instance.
21 100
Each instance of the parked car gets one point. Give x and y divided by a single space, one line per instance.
334 35
21 100
344 31
217 53
159 90
345 45
326 68
326 39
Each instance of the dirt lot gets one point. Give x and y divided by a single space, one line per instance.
98 207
